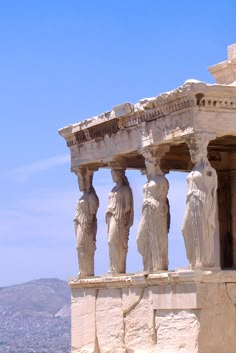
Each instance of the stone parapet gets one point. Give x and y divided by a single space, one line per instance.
143 280
181 311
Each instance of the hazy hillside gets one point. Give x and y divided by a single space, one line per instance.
35 317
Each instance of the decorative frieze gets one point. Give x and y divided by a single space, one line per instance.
212 102
168 106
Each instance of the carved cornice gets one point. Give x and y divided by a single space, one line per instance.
162 278
94 133
217 102
113 126
193 94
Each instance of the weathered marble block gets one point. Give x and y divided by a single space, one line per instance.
140 335
83 324
192 312
177 331
109 320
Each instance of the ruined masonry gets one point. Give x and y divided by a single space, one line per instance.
191 129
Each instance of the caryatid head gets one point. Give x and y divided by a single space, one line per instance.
85 178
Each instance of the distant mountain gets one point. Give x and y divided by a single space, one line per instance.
35 317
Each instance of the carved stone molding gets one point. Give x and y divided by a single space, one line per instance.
192 94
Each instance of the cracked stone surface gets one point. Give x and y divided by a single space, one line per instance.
177 331
218 320
83 320
140 334
109 321
189 312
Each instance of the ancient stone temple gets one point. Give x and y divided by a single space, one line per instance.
191 129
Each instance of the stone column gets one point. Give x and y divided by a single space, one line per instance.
85 222
119 219
152 238
233 213
201 226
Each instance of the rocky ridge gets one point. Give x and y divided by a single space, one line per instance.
35 317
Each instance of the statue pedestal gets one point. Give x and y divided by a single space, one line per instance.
182 311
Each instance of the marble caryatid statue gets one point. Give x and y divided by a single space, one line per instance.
119 219
86 223
152 238
199 226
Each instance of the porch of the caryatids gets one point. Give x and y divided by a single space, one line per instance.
200 226
85 222
152 237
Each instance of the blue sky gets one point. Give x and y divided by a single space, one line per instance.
64 61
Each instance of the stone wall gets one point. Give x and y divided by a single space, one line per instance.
187 312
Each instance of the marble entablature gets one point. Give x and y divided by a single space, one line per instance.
166 119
